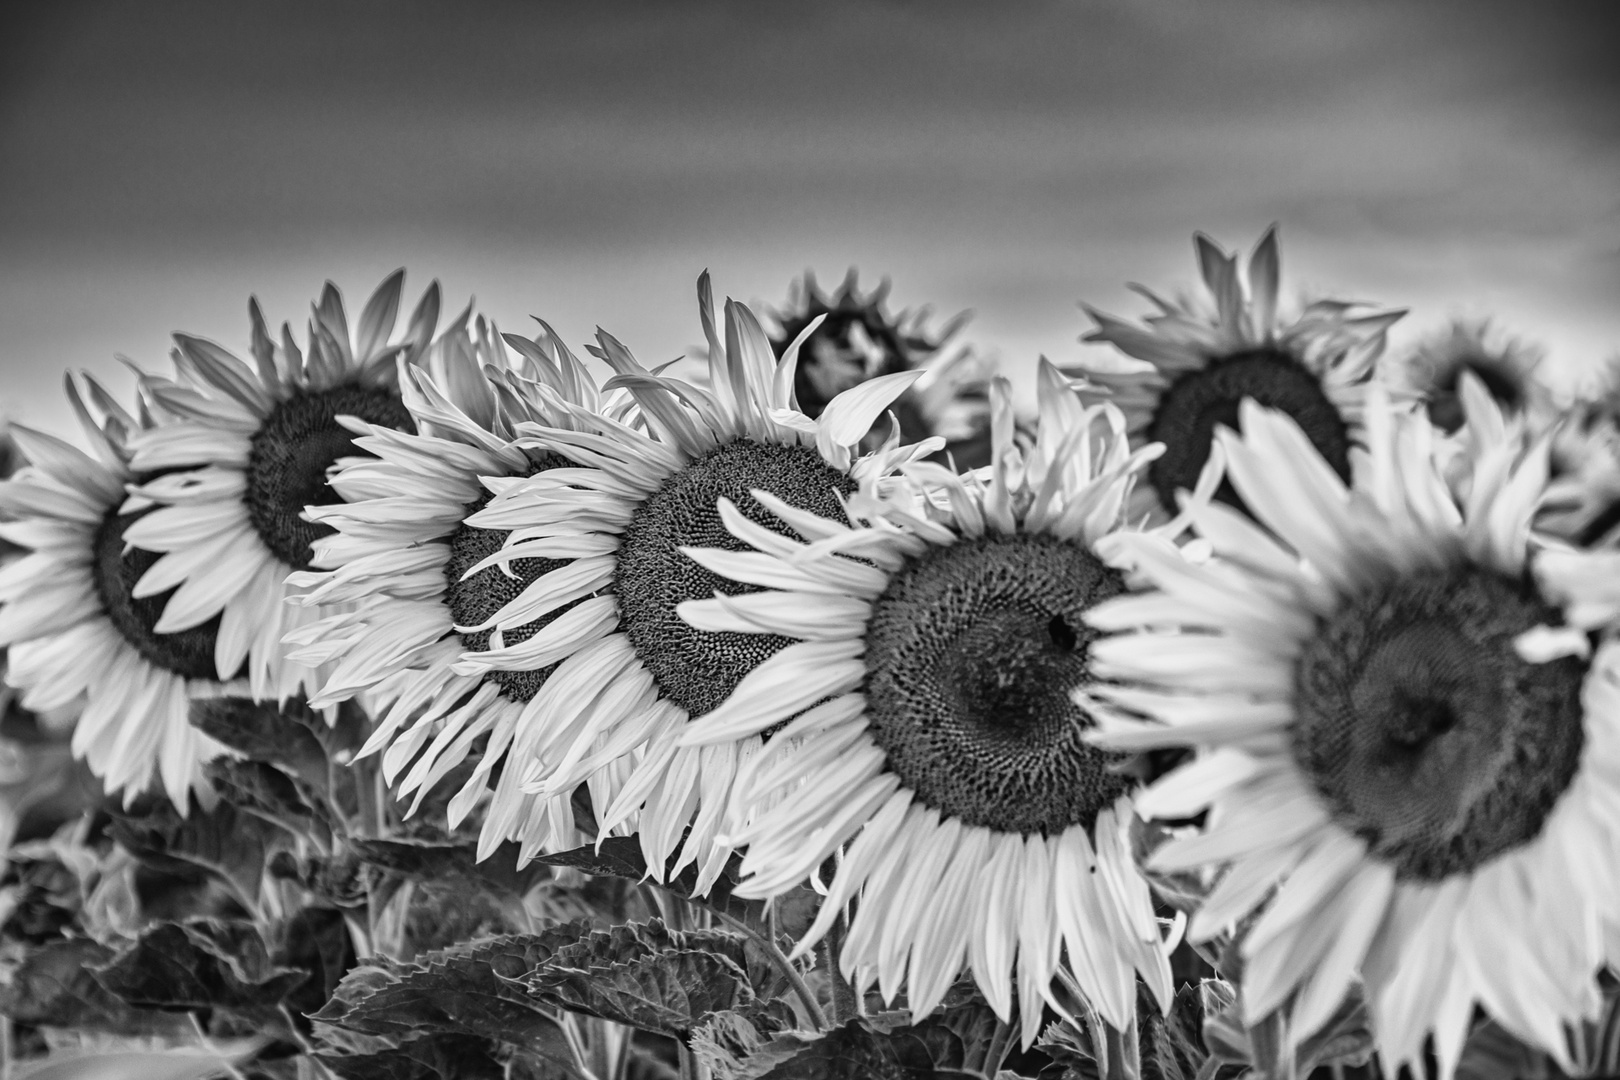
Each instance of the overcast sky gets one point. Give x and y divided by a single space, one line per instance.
584 162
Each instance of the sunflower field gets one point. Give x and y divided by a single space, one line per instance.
403 699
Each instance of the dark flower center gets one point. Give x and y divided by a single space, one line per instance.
1424 730
291 453
832 360
188 653
479 597
1192 407
694 668
1444 401
971 655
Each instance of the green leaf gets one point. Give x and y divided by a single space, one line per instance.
620 856
450 1057
54 985
202 964
650 977
470 990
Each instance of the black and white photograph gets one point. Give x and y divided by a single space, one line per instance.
894 539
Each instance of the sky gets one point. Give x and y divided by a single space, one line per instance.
161 162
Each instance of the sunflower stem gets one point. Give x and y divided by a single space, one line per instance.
846 1004
779 960
1000 1044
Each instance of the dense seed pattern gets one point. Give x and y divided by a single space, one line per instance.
1199 401
1423 729
972 653
694 668
188 653
291 454
475 599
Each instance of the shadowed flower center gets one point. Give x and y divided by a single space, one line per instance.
1424 730
479 597
188 653
698 669
850 346
1198 401
1444 402
971 654
291 453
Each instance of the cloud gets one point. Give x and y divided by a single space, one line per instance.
589 160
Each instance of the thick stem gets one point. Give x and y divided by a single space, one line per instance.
1000 1043
846 1003
782 964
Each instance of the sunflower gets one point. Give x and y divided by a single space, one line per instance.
74 625
1405 727
1432 372
934 653
858 339
629 673
248 450
1184 372
398 569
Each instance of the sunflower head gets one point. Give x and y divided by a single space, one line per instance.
280 414
921 712
621 672
856 339
1185 371
1400 708
81 636
1506 366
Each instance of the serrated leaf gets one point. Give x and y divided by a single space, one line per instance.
620 856
201 964
471 990
53 985
650 977
316 940
450 1057
725 1043
852 1052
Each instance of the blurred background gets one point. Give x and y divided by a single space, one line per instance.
159 162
